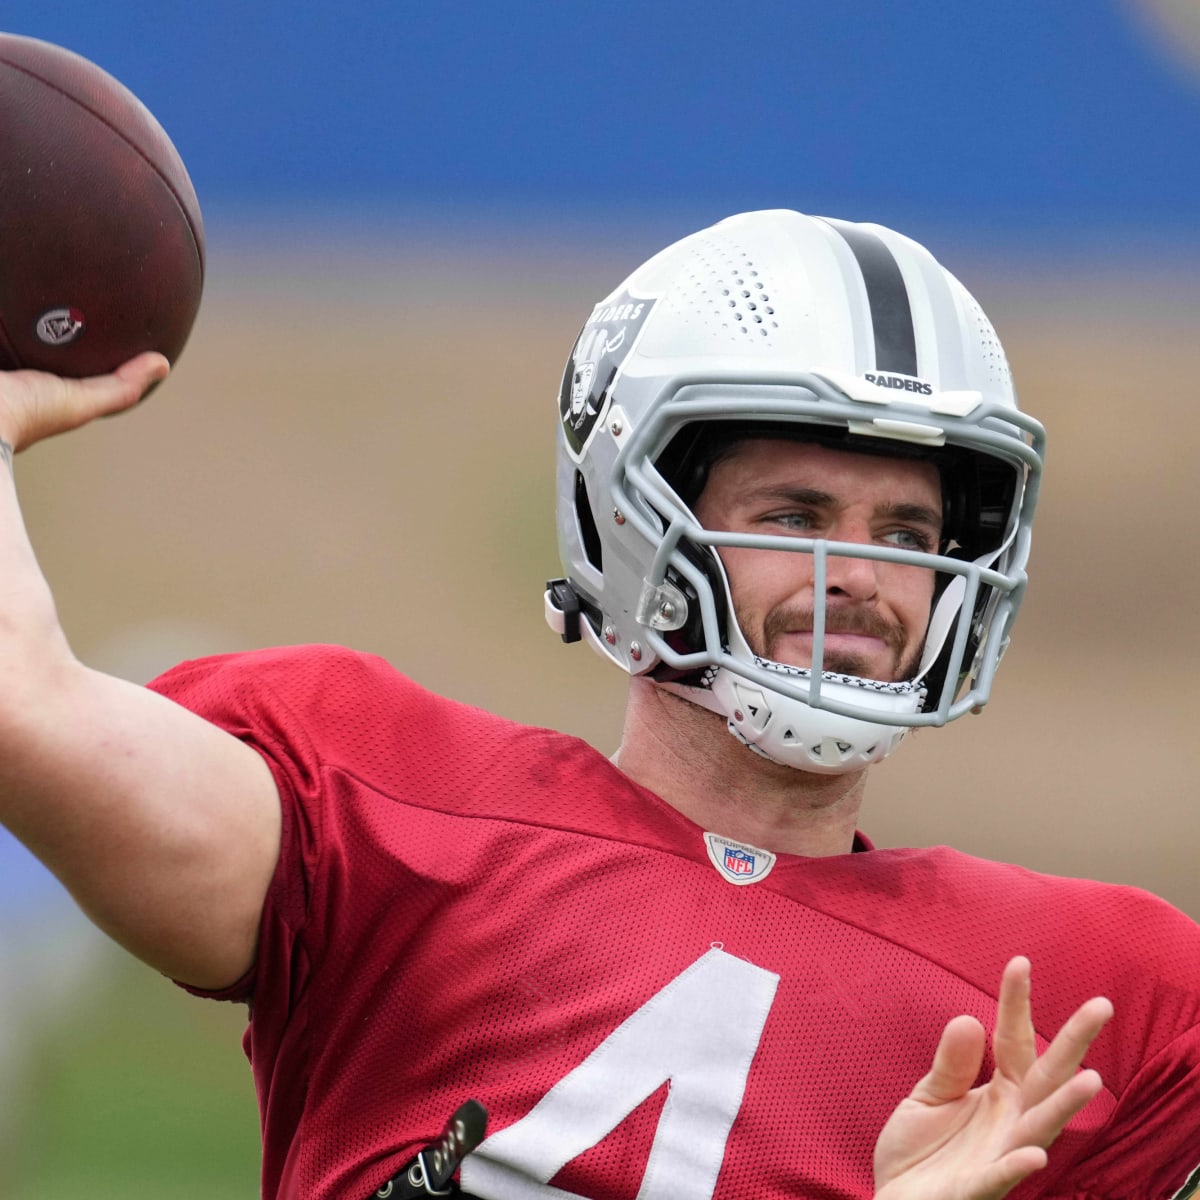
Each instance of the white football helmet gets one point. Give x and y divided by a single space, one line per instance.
783 325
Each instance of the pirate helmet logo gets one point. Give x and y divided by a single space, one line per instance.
601 349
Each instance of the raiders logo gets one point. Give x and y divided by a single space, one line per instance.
603 345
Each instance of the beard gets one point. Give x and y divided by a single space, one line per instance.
850 619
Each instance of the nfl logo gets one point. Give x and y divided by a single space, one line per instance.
738 862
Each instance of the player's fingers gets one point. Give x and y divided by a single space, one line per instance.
1005 1173
144 374
956 1063
144 370
1062 1058
1040 1125
35 405
128 384
1013 1042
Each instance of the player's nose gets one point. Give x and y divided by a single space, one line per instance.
855 578
852 577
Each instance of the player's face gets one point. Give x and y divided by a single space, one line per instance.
876 612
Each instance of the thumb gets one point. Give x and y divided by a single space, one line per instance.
144 371
35 405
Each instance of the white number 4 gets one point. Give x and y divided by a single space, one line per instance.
701 1033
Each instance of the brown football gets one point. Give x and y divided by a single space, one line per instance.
101 240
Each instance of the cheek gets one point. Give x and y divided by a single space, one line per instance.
760 579
912 588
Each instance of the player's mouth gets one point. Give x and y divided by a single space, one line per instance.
847 653
857 642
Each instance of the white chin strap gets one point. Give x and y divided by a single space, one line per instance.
793 733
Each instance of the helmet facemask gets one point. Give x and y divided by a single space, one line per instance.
810 717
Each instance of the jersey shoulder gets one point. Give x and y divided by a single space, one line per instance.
1151 950
1065 908
321 683
322 708
1083 937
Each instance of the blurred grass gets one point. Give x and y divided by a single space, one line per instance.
143 1092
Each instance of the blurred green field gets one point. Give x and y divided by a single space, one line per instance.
142 1092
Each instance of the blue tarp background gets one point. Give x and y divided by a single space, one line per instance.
1024 118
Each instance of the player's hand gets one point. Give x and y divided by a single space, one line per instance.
34 405
949 1141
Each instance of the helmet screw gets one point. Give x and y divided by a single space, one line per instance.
610 635
617 428
738 715
666 610
618 516
635 651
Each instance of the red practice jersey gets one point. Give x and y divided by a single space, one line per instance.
470 908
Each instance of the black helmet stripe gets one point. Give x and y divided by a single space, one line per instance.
891 315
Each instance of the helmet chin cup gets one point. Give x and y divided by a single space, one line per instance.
794 732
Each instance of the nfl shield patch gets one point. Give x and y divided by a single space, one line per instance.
736 862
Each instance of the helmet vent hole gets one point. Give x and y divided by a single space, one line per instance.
725 291
994 360
588 533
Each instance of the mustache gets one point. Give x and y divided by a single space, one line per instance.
851 619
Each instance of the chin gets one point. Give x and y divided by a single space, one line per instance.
841 664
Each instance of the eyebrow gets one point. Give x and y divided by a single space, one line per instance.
916 514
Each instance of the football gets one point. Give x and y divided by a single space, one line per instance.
101 239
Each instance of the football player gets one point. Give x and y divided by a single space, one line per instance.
795 495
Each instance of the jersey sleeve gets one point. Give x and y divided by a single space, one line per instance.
278 701
1150 1147
1147 961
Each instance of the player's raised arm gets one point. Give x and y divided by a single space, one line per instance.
948 1140
164 828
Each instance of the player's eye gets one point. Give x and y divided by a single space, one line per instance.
792 521
911 539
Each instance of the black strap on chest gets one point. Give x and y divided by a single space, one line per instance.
431 1171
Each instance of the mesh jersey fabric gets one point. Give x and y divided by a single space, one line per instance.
467 907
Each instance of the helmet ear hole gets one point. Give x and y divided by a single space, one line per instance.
705 558
690 638
589 535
